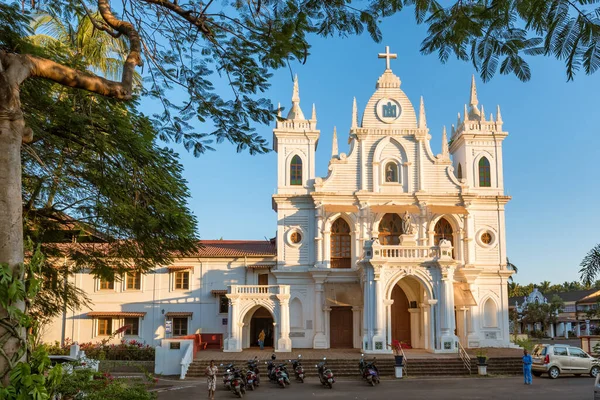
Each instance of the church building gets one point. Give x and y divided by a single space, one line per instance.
395 243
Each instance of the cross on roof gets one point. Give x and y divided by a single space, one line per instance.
387 55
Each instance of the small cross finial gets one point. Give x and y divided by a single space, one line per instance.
387 55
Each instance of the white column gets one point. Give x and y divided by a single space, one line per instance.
379 344
425 315
284 343
234 342
319 235
447 309
587 327
319 341
578 329
414 326
388 320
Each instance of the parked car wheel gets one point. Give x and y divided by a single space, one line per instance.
594 371
554 373
537 373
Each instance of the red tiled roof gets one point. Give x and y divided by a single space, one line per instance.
179 267
124 314
236 248
178 314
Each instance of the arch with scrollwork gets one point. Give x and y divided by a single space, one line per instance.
351 220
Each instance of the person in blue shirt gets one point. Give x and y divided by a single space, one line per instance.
527 367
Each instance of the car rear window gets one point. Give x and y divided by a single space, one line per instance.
539 351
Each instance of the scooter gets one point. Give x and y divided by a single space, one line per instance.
271 369
281 375
228 375
325 374
238 385
251 376
253 365
298 369
368 371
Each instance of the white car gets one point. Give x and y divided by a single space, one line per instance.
69 363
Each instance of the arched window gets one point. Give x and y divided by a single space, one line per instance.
390 229
443 230
296 171
484 173
490 317
459 172
296 320
341 244
391 173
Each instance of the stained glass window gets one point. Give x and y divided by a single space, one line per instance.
486 238
390 229
443 230
296 237
484 173
341 244
296 171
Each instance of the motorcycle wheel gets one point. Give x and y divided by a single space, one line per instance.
301 379
251 386
370 381
330 385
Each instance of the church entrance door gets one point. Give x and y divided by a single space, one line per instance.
340 328
261 319
400 316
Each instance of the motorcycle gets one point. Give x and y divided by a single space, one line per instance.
228 375
271 369
281 375
238 384
368 371
252 379
298 369
325 374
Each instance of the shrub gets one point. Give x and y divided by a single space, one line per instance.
102 386
524 343
129 350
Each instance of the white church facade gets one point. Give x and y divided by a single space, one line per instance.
395 243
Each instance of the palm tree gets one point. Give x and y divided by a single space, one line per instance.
512 266
103 54
590 266
544 286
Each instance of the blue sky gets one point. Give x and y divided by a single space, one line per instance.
550 154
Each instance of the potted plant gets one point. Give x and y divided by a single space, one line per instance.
397 348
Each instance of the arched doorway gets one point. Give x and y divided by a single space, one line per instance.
261 319
400 316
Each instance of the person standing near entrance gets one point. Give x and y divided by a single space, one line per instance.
527 367
211 374
261 339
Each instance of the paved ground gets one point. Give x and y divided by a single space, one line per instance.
406 389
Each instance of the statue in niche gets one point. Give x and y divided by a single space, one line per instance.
406 224
391 173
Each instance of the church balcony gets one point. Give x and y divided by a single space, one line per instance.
258 291
376 252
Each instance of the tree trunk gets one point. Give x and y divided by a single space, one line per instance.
12 132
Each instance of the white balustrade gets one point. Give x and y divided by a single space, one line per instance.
256 289
408 253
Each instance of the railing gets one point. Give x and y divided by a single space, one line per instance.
186 360
398 252
464 357
259 289
405 364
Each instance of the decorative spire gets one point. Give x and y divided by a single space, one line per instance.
473 101
482 114
458 120
491 117
444 143
334 147
452 130
498 116
314 113
466 113
422 118
295 111
354 115
279 110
